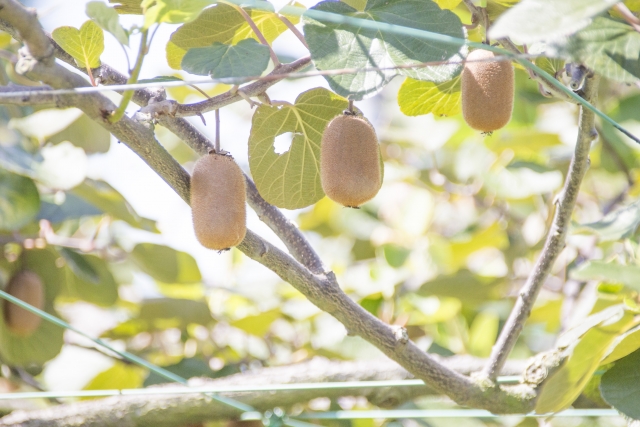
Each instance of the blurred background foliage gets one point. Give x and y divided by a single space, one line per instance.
443 248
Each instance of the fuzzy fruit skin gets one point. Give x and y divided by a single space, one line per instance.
218 202
350 169
26 286
487 92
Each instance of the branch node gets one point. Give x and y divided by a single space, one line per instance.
400 334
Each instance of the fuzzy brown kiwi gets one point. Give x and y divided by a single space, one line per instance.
350 167
26 286
218 202
487 91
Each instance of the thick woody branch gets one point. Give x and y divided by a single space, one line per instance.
173 410
555 238
321 289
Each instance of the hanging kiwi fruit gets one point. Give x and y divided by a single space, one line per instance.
26 286
350 166
218 199
487 91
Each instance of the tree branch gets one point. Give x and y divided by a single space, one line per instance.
321 289
185 409
555 238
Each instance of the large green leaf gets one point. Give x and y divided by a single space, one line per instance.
291 180
108 19
222 24
607 46
246 59
108 200
533 20
417 97
608 272
166 264
465 286
337 46
616 225
84 45
620 385
582 350
19 201
172 11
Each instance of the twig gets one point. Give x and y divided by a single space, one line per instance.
628 15
293 29
256 30
555 239
128 94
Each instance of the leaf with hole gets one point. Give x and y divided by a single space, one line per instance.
291 180
417 97
222 61
108 19
337 46
84 45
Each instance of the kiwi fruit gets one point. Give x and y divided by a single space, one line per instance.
350 166
218 201
26 286
487 91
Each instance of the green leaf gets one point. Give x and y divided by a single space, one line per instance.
186 368
534 20
395 255
185 311
623 345
172 11
89 279
483 333
448 4
608 47
246 59
582 349
108 200
127 7
46 122
620 386
259 324
84 45
19 201
108 19
608 272
119 376
619 224
417 97
166 264
291 180
337 46
79 265
46 341
86 134
222 24
465 286
73 207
